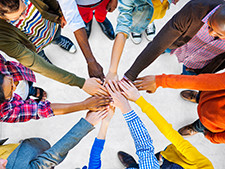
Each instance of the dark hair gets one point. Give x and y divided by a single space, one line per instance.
2 96
8 6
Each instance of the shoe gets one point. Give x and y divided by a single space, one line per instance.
136 37
159 158
88 28
107 29
150 31
66 44
189 95
127 160
187 130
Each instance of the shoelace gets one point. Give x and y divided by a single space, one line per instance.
150 28
65 44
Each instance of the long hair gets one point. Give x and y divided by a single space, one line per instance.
2 96
8 6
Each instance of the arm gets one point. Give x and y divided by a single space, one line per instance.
116 54
204 82
216 138
112 5
97 147
175 27
58 152
142 139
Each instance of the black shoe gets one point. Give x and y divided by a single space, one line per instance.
107 29
127 160
88 28
66 44
42 54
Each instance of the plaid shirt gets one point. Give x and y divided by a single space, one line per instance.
16 70
201 49
142 140
16 109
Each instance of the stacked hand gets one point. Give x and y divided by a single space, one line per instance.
96 103
146 83
95 117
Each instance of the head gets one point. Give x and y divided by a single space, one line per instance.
3 163
7 87
216 23
12 9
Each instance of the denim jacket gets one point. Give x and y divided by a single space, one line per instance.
134 15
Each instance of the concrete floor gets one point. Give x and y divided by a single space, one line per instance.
167 101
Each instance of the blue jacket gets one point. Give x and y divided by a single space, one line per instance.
35 153
134 15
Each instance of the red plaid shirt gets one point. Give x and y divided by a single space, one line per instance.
17 109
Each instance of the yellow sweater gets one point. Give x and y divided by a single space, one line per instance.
6 150
159 9
181 152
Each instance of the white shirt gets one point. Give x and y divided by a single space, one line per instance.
22 89
71 14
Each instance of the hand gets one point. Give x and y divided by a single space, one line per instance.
118 99
111 76
109 116
63 22
112 5
146 83
175 1
95 117
93 86
95 70
129 90
96 103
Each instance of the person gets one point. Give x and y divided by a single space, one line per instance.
134 17
139 133
181 153
210 102
99 142
16 105
196 35
98 8
36 153
28 26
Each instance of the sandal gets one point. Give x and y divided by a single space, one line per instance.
189 95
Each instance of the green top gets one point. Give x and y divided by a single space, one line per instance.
15 44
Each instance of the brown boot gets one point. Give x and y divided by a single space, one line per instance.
189 95
187 130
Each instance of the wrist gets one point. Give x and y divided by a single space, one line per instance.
125 109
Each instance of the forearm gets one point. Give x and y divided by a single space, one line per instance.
82 40
103 130
216 138
204 82
117 51
65 108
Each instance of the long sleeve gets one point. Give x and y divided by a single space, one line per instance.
71 14
142 140
173 30
204 82
189 152
57 153
216 138
95 156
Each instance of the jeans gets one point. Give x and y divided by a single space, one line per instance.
198 126
170 165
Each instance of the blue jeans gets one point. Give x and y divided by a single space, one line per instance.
199 127
170 165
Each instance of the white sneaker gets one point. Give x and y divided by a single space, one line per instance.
136 37
150 31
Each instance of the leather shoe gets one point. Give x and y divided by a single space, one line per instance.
88 28
189 95
127 160
187 130
107 29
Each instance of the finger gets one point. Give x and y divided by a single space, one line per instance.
98 80
111 85
109 89
131 84
123 83
124 94
140 78
116 85
122 87
138 85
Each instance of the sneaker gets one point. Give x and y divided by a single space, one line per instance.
150 31
88 28
66 44
127 160
136 37
107 29
189 95
187 130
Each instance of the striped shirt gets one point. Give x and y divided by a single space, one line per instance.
201 49
142 140
39 30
